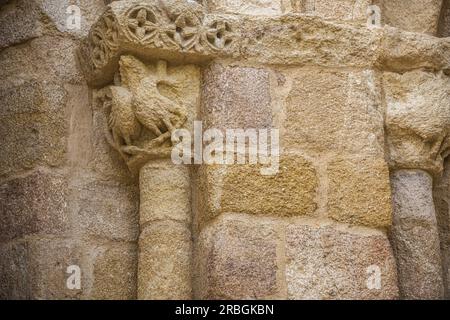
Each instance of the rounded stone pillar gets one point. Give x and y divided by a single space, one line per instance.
415 235
165 245
418 127
145 106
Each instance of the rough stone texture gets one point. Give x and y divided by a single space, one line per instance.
43 203
165 245
415 236
165 262
114 272
37 269
338 114
50 56
359 192
256 7
413 15
55 217
442 201
236 97
406 51
104 160
165 193
106 210
236 258
15 275
242 188
339 10
417 120
318 73
444 22
30 109
326 262
48 261
59 14
19 22
34 204
289 39
333 112
23 20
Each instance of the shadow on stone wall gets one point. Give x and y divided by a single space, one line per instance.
442 202
444 22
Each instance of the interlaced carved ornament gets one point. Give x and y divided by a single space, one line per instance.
149 25
104 39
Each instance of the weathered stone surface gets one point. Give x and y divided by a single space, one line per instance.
315 73
308 41
418 120
49 57
104 160
37 269
444 22
15 275
256 7
187 44
236 258
165 192
106 210
114 275
415 236
333 112
406 51
442 201
164 266
35 114
242 188
359 192
236 97
338 10
48 261
289 39
34 204
60 14
151 102
19 22
413 15
327 262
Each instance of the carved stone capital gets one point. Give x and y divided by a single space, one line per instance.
418 120
181 31
154 29
133 33
143 107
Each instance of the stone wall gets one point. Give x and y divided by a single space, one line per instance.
444 22
364 123
442 200
64 198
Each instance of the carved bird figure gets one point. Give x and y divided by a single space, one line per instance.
155 111
138 103
122 120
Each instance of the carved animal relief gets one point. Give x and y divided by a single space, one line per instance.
141 118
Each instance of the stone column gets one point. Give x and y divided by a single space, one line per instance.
146 104
415 235
418 125
164 267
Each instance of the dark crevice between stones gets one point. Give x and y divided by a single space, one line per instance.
444 21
